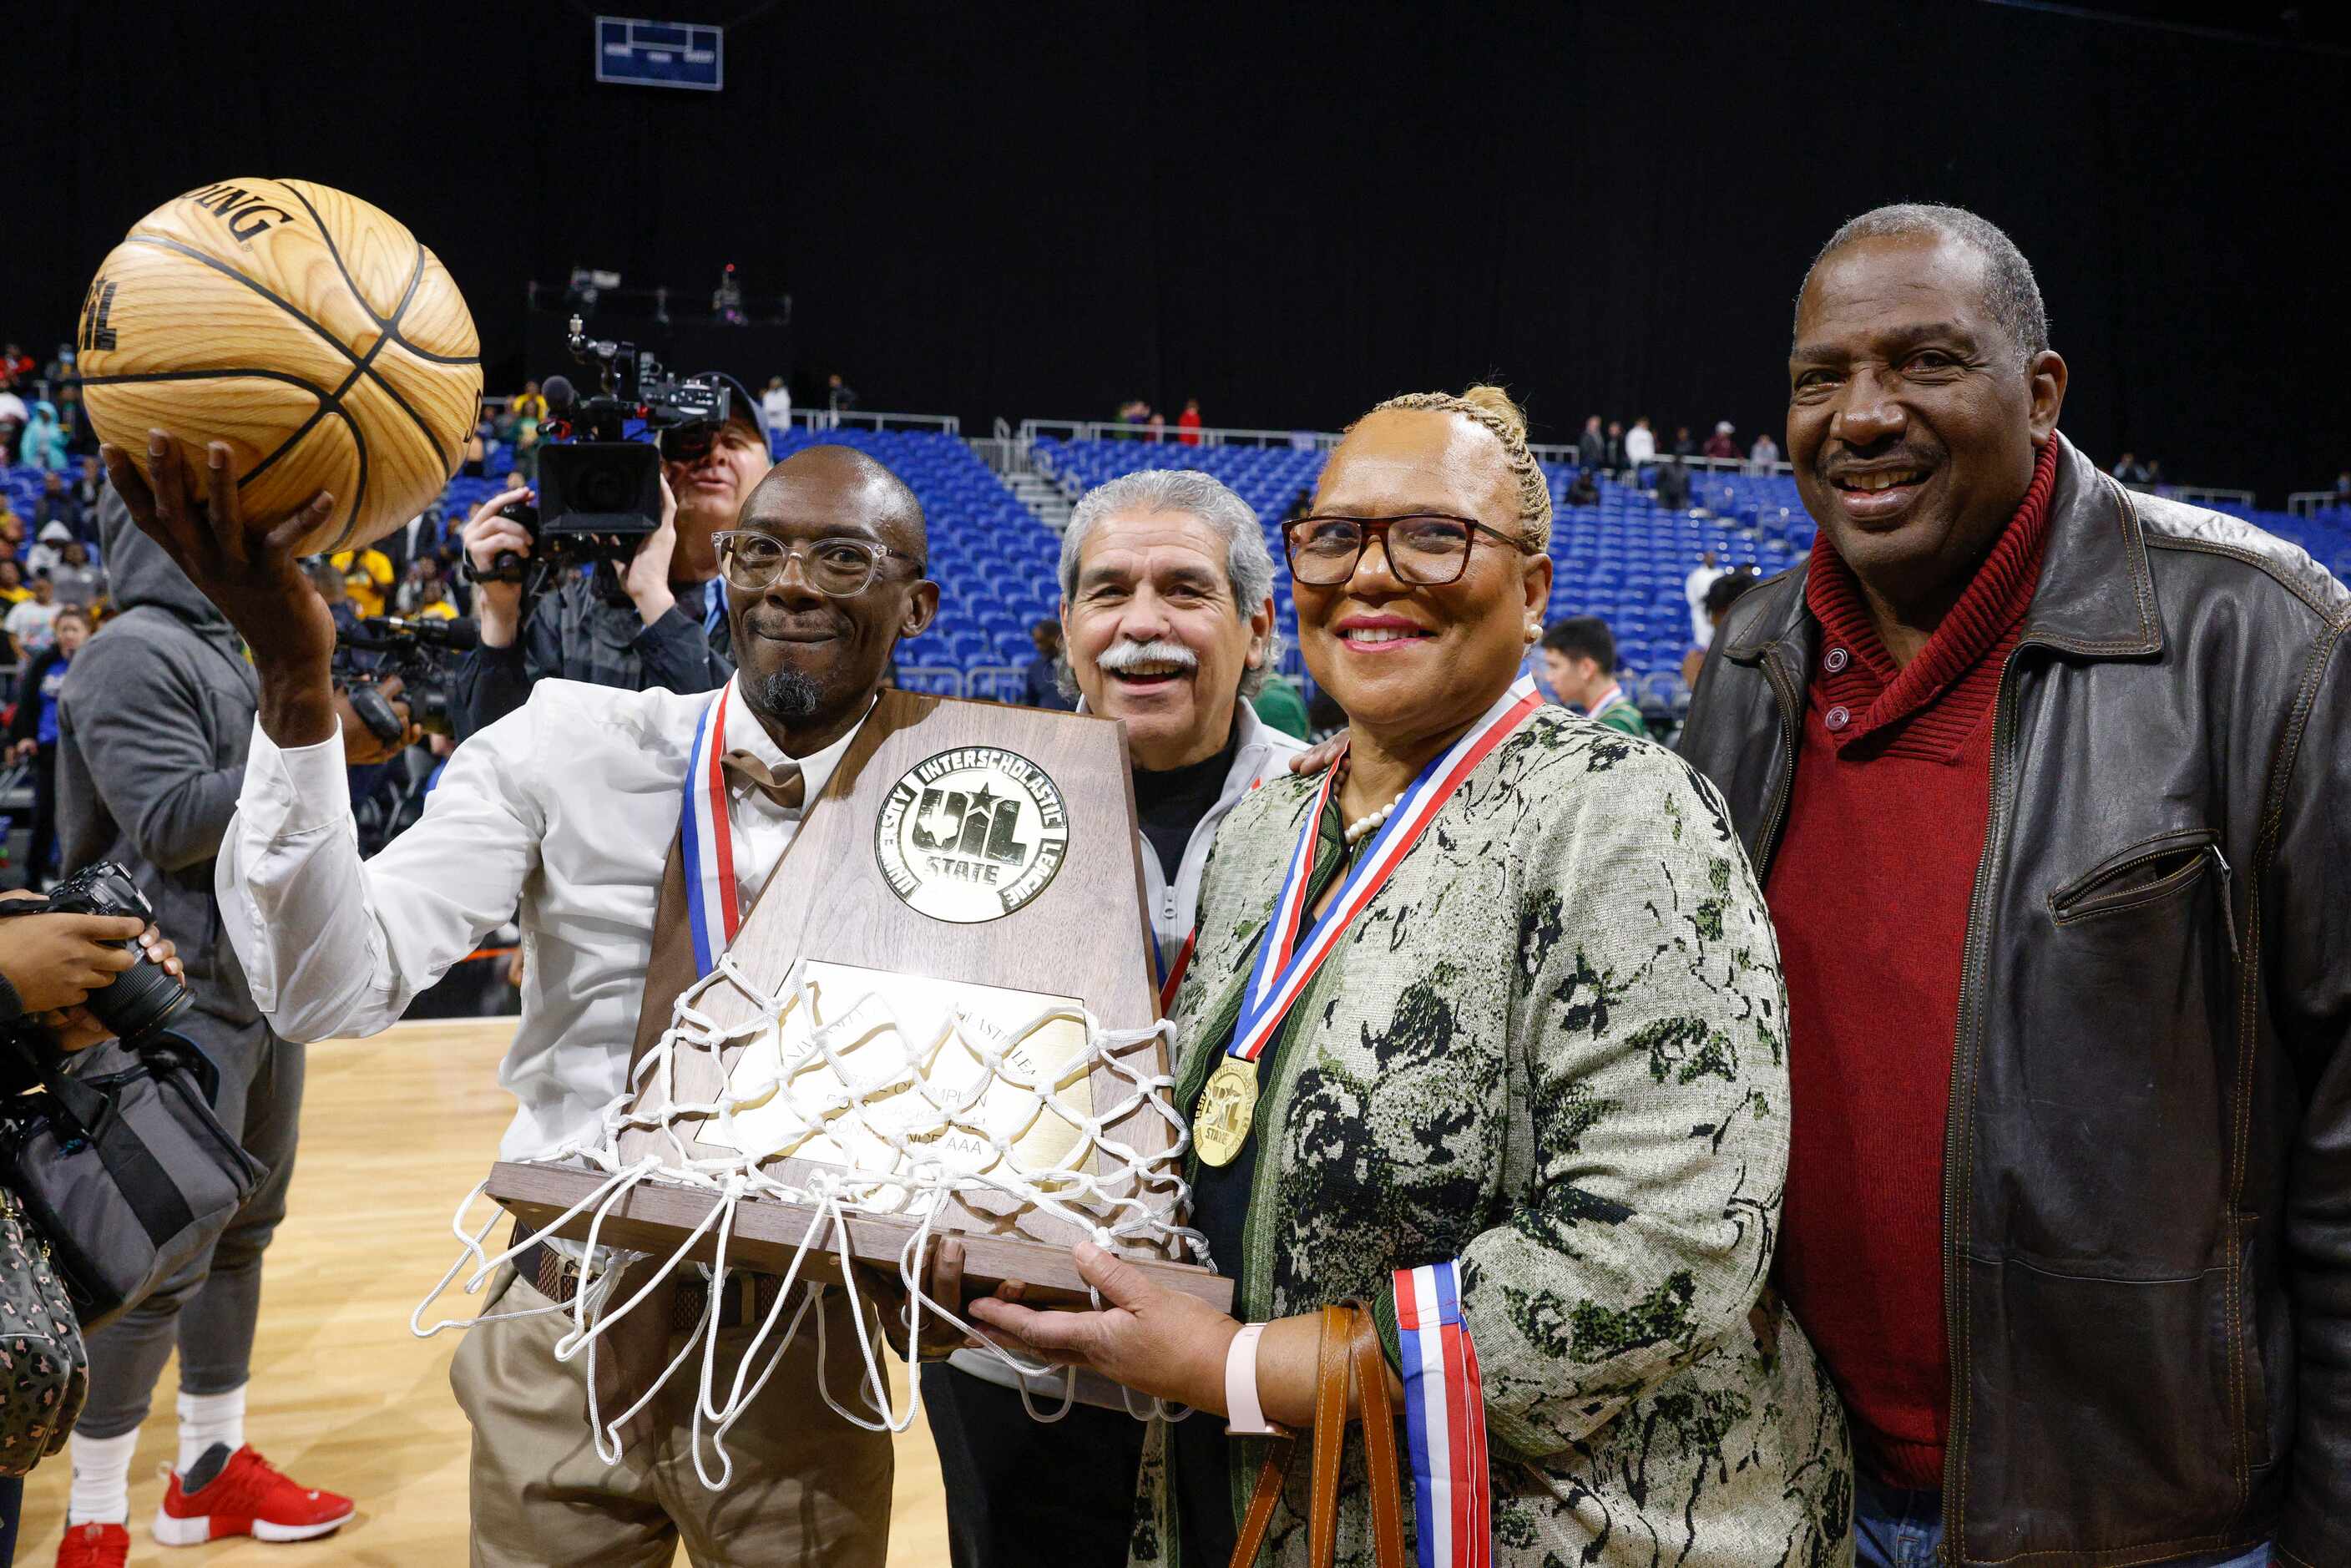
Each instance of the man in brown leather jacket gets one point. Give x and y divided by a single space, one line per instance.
2048 782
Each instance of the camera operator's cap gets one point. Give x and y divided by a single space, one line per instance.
742 408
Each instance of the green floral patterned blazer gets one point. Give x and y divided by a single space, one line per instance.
1553 1047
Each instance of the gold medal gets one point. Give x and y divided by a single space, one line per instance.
1228 1105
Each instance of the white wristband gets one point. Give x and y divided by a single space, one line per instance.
1244 1417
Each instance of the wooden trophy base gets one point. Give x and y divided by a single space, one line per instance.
768 1234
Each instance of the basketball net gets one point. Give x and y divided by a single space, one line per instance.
915 1113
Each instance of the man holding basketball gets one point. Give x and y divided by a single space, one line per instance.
657 620
571 806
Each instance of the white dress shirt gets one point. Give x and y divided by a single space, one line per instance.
1640 446
565 807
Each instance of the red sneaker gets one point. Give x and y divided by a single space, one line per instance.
94 1546
245 1496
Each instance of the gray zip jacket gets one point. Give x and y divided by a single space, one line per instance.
152 725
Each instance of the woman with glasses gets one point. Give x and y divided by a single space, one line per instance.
1483 1028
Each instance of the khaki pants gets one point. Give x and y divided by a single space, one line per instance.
807 1487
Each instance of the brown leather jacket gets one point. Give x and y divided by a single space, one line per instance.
2147 1209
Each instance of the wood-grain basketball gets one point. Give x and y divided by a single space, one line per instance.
308 329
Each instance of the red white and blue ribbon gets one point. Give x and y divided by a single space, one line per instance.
1444 1420
1608 699
1282 968
707 842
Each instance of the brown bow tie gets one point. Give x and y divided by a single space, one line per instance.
787 789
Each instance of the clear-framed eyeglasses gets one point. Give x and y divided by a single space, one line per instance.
840 569
1428 550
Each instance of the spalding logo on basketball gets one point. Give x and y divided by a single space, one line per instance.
971 834
305 327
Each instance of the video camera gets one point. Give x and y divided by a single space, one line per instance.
418 651
598 491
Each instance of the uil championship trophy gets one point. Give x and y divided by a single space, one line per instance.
937 1018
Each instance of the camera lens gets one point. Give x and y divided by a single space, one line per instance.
142 999
606 488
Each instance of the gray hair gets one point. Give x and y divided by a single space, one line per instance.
1248 565
2010 293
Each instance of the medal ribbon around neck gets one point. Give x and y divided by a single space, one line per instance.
706 842
1282 969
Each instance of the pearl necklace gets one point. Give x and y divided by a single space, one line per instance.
1364 827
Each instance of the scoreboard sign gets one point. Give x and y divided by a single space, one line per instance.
638 53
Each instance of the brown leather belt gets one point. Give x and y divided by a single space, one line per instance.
745 1297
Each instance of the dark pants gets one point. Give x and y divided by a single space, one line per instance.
1021 1490
209 1309
12 1507
1894 1527
44 847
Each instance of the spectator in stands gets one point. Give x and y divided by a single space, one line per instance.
477 447
1282 705
12 533
13 591
525 448
1684 445
33 736
1764 455
45 439
13 416
48 550
421 573
2130 470
1041 683
87 488
1580 666
1591 447
660 622
1721 594
839 397
329 584
57 504
1672 485
775 409
79 583
18 365
1722 443
1612 456
367 578
2046 792
1584 490
528 404
2155 474
30 623
1640 446
1157 426
1167 607
1702 578
1188 423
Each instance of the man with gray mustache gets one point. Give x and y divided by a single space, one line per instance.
1167 625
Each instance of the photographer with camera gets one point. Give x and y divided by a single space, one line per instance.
49 965
155 718
657 618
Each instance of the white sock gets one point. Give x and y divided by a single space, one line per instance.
101 1478
209 1418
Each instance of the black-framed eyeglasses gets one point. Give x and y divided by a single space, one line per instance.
1428 549
840 569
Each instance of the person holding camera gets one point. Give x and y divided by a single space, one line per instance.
49 965
659 619
155 720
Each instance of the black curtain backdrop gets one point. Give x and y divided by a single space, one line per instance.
1285 213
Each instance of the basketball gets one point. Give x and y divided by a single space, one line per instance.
305 328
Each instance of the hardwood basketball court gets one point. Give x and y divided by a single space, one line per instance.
395 1129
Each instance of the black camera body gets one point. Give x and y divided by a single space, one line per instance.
142 999
417 651
598 491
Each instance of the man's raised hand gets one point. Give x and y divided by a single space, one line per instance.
251 574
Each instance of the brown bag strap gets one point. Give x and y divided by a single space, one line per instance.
1348 1354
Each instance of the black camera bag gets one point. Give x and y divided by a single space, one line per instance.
128 1176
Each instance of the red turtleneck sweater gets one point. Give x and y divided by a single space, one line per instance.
1869 891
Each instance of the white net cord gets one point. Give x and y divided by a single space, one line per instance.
953 1110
